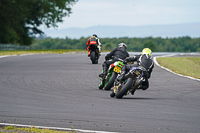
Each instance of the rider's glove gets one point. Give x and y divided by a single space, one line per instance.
125 61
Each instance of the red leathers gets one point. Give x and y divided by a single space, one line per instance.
93 40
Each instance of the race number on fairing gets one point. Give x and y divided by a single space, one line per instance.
117 69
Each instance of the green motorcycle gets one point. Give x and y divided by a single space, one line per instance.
108 81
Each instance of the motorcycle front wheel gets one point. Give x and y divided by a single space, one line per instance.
111 81
125 88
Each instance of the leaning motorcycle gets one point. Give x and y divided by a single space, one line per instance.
114 69
94 53
132 80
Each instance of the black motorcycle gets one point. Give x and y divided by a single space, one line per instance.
94 53
132 80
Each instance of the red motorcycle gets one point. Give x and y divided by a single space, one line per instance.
94 53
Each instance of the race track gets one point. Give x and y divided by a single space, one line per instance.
61 90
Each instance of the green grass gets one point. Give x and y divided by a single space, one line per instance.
12 129
19 52
188 66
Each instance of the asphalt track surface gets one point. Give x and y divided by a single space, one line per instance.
61 90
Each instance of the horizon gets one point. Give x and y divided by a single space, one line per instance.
131 13
104 31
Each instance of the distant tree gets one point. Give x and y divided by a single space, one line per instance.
181 44
20 19
150 44
107 46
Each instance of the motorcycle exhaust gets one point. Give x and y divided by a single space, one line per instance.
137 84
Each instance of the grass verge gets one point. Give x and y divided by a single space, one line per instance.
188 66
11 129
59 51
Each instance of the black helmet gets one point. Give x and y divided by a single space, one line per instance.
94 35
121 45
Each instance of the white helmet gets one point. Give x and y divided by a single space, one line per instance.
121 45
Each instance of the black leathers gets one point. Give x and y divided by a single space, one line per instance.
142 60
117 53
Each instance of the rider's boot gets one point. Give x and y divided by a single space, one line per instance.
88 53
112 94
132 92
104 73
144 87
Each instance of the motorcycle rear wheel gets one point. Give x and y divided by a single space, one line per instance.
93 57
125 88
96 61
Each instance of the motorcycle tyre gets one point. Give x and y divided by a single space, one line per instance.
100 87
93 57
125 88
96 62
111 81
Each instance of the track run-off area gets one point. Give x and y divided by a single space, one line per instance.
61 91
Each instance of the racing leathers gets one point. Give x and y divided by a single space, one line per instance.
93 40
142 60
117 54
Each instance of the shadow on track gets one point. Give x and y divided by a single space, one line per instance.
138 98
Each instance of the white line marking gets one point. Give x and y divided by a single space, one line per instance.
3 56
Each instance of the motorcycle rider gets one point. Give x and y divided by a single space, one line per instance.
143 60
115 55
93 40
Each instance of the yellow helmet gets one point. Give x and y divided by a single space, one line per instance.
146 51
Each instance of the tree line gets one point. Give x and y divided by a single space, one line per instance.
158 44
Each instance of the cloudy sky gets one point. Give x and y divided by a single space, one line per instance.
87 13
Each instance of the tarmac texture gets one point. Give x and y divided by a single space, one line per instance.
61 90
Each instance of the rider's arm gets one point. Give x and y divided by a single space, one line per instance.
98 42
109 55
88 42
128 54
131 59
